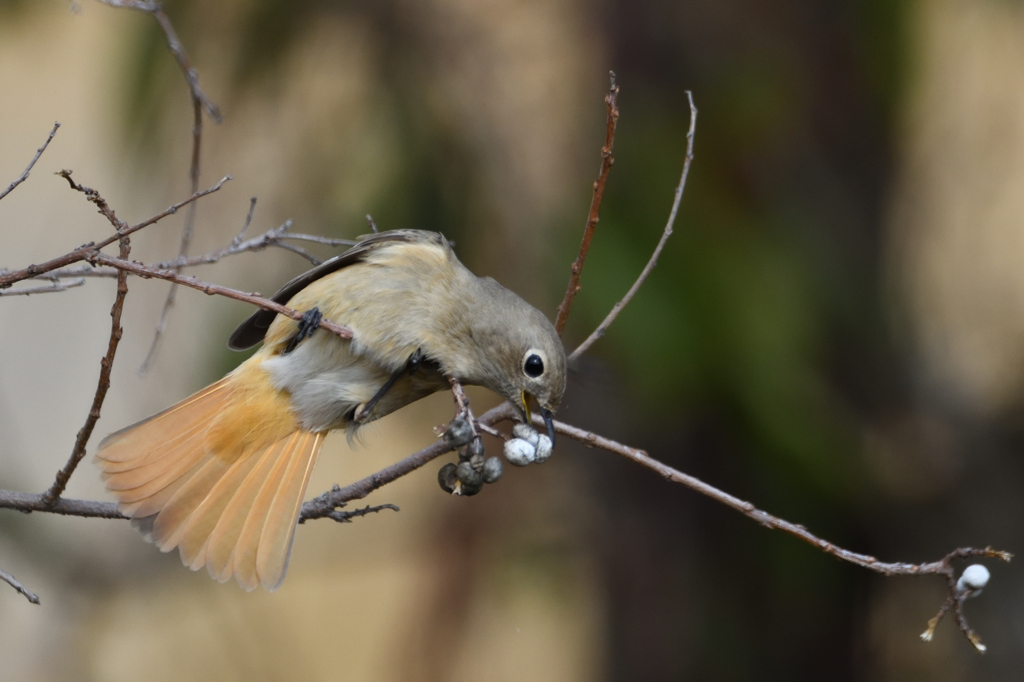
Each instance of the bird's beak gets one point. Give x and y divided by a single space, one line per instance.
526 407
549 420
550 423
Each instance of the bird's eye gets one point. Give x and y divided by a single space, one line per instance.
533 363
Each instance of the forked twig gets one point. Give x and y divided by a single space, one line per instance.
176 48
107 362
8 278
617 308
146 272
200 102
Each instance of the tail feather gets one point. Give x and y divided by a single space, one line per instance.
199 526
165 449
138 484
279 532
151 506
220 546
243 557
163 427
220 476
172 521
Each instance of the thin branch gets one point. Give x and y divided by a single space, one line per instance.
13 582
327 504
199 102
190 220
603 327
248 221
105 210
35 502
83 252
611 100
328 241
300 251
58 285
942 567
39 152
86 271
81 271
954 602
171 210
146 272
322 505
102 385
271 238
347 516
176 48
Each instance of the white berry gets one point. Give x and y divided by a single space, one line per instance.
544 447
974 577
519 452
526 432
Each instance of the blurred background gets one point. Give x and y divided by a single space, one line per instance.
836 331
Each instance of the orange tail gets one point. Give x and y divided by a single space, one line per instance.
220 475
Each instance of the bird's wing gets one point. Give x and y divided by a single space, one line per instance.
252 331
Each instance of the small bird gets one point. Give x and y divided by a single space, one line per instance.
222 474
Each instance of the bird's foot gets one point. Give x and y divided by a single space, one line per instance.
309 324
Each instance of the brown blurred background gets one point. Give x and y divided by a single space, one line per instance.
836 332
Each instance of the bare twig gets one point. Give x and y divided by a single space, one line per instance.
463 411
373 225
611 100
200 102
347 516
76 272
83 252
106 364
39 152
942 567
322 505
245 226
300 251
146 271
13 582
172 209
58 285
338 496
327 241
190 219
176 48
35 502
461 400
603 327
271 238
92 195
954 602
327 504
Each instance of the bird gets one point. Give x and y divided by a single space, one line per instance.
222 474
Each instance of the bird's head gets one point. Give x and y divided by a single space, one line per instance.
524 357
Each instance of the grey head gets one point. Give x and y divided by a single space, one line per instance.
521 354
